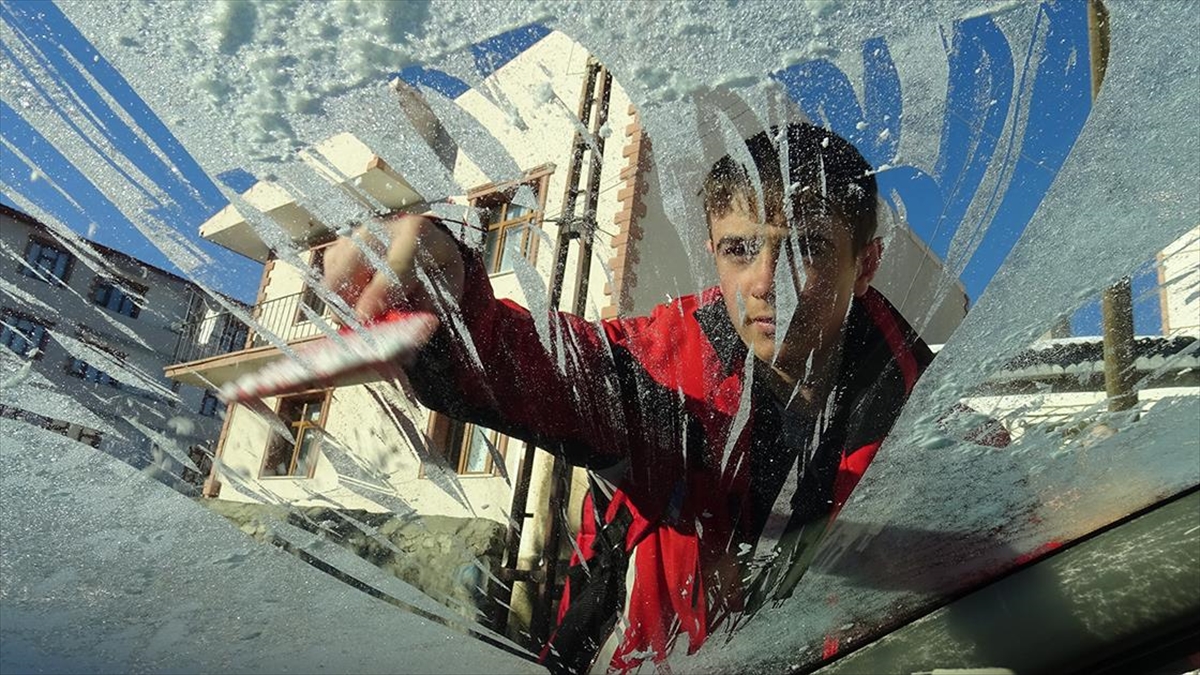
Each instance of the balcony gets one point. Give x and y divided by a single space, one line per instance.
220 347
342 160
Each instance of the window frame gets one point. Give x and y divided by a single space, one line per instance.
126 288
28 268
75 432
202 457
232 329
87 436
491 196
309 296
8 313
216 406
88 336
325 396
445 432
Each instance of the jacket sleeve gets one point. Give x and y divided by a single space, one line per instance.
555 380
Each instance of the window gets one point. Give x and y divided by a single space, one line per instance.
210 404
309 297
77 367
202 457
89 373
233 335
467 446
111 296
305 416
470 443
510 226
22 334
85 435
44 261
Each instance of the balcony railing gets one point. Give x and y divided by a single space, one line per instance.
287 318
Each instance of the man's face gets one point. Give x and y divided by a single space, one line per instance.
815 257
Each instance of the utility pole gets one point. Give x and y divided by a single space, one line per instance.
593 109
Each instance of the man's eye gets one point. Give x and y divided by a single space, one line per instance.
740 250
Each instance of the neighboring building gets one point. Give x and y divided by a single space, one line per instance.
86 332
368 447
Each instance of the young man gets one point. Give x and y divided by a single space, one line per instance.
777 386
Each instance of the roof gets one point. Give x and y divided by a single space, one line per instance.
1071 351
108 252
1077 364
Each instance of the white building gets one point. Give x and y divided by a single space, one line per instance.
87 331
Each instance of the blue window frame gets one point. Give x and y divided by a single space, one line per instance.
113 297
89 373
45 261
23 335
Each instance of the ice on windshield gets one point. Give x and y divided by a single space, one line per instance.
706 264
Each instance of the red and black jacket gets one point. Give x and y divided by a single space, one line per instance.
658 398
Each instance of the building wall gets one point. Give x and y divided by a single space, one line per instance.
148 411
368 463
543 85
1179 281
913 279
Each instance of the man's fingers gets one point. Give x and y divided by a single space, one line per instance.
374 278
348 267
377 297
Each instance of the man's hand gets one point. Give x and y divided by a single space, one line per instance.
373 276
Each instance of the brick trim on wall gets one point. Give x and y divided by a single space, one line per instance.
638 154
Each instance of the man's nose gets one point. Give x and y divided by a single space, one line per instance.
762 279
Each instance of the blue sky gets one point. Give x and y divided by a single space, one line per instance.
180 194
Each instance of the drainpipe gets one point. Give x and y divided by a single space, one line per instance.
1116 301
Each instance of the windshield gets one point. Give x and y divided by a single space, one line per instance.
582 336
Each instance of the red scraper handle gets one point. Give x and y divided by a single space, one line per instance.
354 357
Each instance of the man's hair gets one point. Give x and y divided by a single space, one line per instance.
826 176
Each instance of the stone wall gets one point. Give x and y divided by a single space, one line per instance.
448 559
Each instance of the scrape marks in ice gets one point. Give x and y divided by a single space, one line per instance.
328 361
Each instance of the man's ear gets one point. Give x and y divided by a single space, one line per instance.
868 265
708 245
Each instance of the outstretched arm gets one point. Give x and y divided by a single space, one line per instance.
557 382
